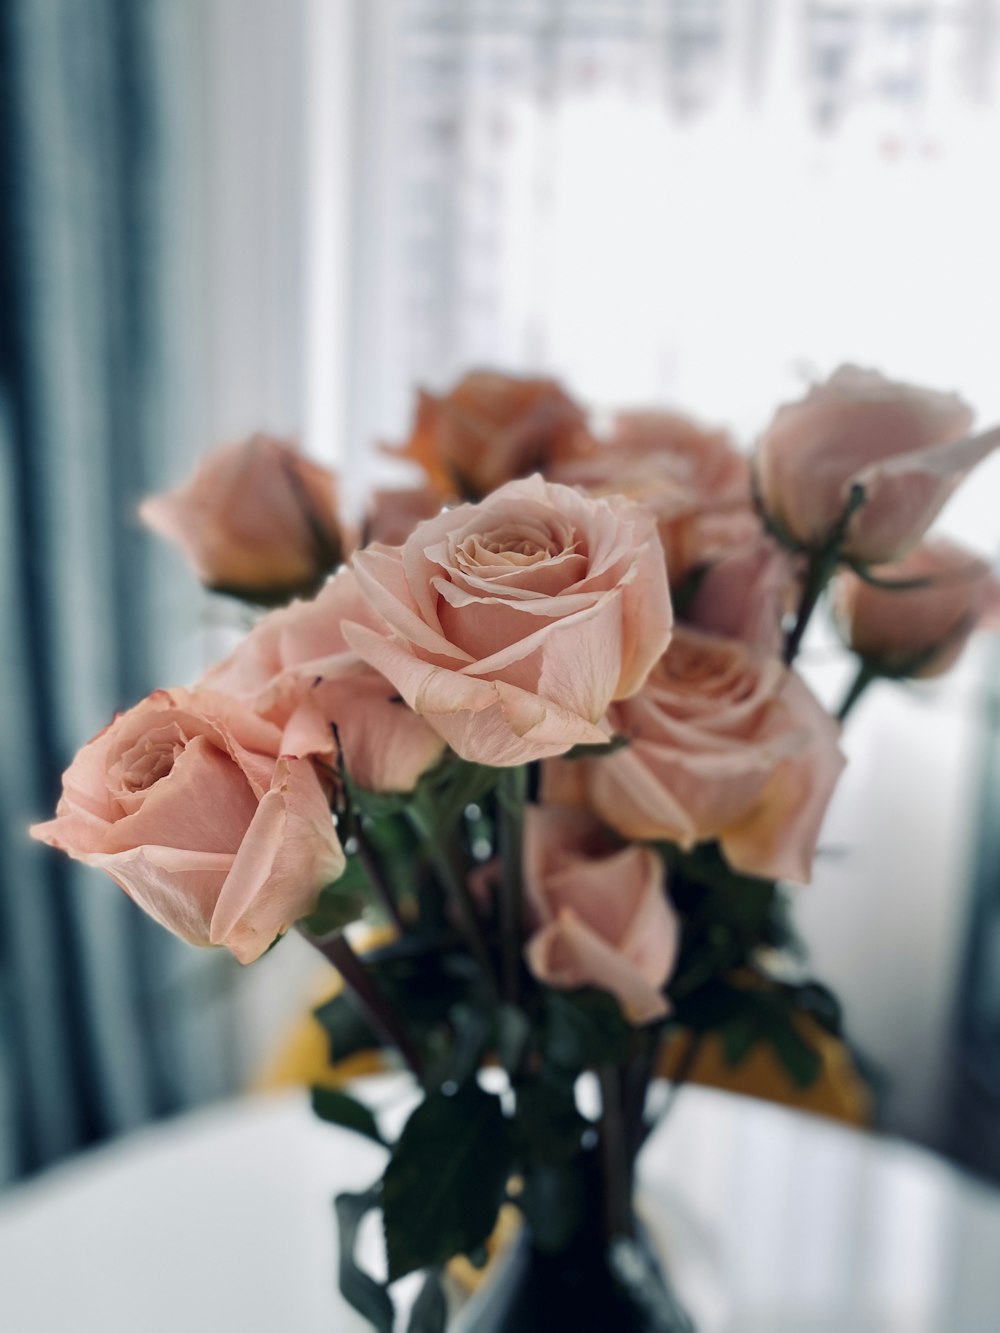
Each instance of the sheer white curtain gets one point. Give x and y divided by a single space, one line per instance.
701 203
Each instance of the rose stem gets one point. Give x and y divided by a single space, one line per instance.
512 791
453 881
615 1165
638 1077
380 1013
685 1069
822 563
375 873
864 677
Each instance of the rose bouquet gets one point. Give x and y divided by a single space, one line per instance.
545 725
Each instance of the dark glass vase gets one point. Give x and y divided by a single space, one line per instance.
589 1285
617 1289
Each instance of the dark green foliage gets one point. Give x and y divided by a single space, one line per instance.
446 1179
340 903
338 1108
358 1288
430 1309
584 1028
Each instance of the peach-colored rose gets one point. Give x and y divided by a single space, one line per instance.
745 594
600 912
296 669
184 804
724 745
490 429
256 519
905 446
510 625
393 514
691 477
918 630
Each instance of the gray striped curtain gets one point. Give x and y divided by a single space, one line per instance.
103 1018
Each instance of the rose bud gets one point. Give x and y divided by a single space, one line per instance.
919 627
690 476
257 520
725 746
511 625
744 594
296 669
600 912
905 447
490 429
393 514
185 805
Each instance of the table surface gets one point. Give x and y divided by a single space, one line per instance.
221 1222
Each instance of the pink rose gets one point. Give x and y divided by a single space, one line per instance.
510 625
491 429
296 669
689 476
745 594
918 631
393 514
723 745
182 801
256 519
904 445
600 910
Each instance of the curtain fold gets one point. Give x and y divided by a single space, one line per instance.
97 1036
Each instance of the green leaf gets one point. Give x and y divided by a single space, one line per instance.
585 1028
740 1036
821 1004
339 903
800 1061
346 1028
615 743
445 1181
339 1109
513 1030
712 1005
547 1124
443 795
456 1047
430 1309
358 1288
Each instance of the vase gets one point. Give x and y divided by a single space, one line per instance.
588 1285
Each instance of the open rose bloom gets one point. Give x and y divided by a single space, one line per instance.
511 625
549 725
186 804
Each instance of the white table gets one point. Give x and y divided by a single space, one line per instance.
221 1222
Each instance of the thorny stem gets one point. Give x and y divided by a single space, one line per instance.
822 564
685 1069
454 882
616 1164
864 677
362 985
375 873
511 795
